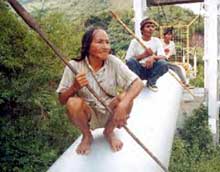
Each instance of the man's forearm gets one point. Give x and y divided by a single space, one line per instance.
139 57
65 94
159 57
133 91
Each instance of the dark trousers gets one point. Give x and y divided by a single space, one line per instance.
151 75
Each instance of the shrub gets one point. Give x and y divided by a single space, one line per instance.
32 143
193 150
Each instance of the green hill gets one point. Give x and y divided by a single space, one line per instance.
75 9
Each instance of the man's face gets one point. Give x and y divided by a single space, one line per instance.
168 37
100 46
148 29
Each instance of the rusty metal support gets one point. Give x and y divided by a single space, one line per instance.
169 2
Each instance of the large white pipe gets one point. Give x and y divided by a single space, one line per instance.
153 120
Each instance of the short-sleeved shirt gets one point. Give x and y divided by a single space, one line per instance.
112 75
169 49
136 49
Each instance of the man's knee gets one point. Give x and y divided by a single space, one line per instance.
135 66
131 62
163 65
78 111
74 104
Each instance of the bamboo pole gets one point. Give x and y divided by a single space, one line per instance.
145 47
29 20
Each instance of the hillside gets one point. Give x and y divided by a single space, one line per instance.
75 9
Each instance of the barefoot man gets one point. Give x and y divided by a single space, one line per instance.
104 73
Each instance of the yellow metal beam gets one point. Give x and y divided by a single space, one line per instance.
193 20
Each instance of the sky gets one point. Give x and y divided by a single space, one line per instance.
195 7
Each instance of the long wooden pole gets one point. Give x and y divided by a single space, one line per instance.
145 47
33 24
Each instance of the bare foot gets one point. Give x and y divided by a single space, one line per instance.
114 142
85 145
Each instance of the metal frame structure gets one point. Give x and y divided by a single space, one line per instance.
187 28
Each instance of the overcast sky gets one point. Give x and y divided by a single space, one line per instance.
195 7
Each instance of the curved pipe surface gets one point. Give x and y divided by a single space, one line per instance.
152 120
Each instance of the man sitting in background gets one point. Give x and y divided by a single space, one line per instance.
170 51
149 64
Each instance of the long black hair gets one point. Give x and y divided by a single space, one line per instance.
86 42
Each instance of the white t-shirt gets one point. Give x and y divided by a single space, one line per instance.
169 49
135 48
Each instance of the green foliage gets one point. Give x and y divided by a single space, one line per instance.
192 149
196 129
119 37
199 80
65 34
179 159
73 9
34 130
198 25
29 69
102 20
12 51
210 164
32 143
171 15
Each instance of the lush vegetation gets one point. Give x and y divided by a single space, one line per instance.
193 150
34 127
32 143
